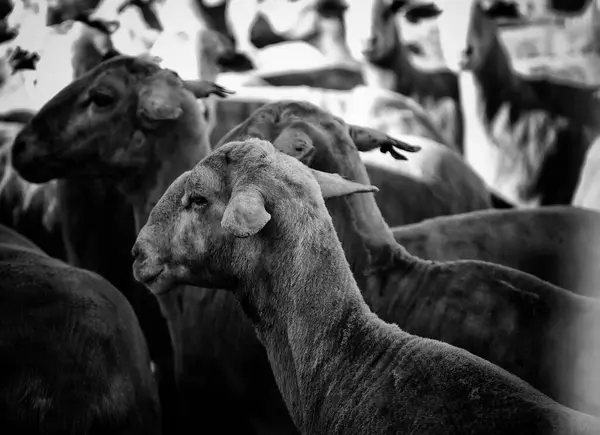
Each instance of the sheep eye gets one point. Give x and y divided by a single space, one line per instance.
197 200
101 98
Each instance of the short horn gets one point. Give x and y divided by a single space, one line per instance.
204 88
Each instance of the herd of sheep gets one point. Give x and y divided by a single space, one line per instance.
192 243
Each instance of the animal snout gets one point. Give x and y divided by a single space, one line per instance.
22 158
146 267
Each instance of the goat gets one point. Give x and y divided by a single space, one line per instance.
558 244
527 135
252 220
74 359
539 332
154 132
387 62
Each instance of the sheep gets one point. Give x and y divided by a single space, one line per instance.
144 157
185 24
252 220
527 135
441 181
74 359
539 332
587 194
558 244
319 24
375 38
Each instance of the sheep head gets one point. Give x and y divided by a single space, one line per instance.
216 224
123 119
316 137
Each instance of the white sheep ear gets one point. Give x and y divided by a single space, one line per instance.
333 185
245 214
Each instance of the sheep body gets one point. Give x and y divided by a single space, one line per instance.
340 368
555 243
541 333
74 357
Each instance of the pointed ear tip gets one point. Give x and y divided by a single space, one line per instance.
373 189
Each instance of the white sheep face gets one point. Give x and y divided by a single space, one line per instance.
213 227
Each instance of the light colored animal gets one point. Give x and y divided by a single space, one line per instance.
527 136
317 23
252 220
151 123
541 333
375 37
187 24
74 357
587 193
559 244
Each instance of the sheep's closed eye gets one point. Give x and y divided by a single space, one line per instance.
197 201
101 98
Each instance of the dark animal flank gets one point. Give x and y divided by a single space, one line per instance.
556 243
76 361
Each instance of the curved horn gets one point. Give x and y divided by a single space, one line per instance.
204 88
367 139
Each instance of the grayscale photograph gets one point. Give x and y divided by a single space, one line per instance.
299 217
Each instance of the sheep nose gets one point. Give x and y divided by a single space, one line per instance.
137 252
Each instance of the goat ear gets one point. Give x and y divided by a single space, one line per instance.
204 88
367 139
245 214
422 11
296 143
156 102
333 185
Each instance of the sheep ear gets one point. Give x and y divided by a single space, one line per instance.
296 143
333 185
245 214
204 88
367 139
156 101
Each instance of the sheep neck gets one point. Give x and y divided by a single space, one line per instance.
395 73
496 83
330 40
316 328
